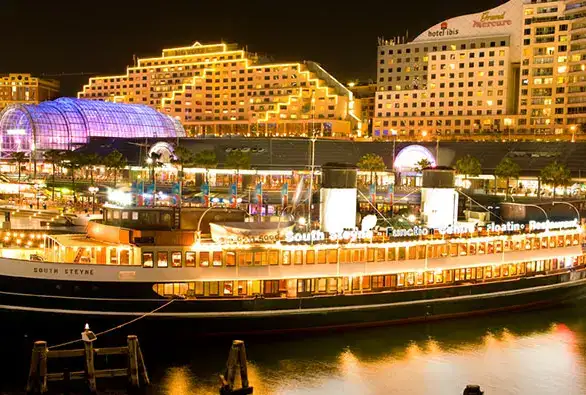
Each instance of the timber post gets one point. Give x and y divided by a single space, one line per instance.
90 371
236 358
37 378
133 361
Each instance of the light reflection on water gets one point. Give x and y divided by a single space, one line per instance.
547 361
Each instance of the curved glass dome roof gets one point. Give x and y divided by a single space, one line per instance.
67 123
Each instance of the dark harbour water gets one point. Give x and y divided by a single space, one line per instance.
540 352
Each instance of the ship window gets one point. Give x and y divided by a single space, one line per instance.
576 239
560 241
135 215
298 257
204 259
310 257
392 254
463 250
356 283
358 255
370 254
410 279
482 248
271 287
176 259
498 246
125 215
124 257
412 252
439 278
333 256
332 285
245 258
217 258
190 258
490 248
366 282
213 288
321 284
227 288
544 242
321 256
419 278
568 240
378 282
162 259
345 256
401 253
453 249
113 256
273 257
488 272
472 249
522 267
147 259
286 257
421 252
479 273
230 258
448 276
242 286
470 273
199 288
401 280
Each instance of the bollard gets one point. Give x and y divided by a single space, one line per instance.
37 378
473 389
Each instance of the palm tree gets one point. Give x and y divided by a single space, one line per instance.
153 161
183 157
55 158
115 162
372 163
18 158
90 161
469 166
423 164
556 174
73 161
507 168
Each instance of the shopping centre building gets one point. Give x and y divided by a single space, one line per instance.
221 89
515 71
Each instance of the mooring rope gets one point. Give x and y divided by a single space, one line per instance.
116 327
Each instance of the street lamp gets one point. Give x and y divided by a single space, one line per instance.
573 130
93 190
37 187
532 205
508 123
394 134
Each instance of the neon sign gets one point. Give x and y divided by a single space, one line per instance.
318 235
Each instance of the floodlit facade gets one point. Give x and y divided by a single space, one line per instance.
67 123
220 89
515 71
23 88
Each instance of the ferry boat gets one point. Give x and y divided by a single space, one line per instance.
212 267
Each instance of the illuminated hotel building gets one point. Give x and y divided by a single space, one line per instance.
221 89
516 71
26 89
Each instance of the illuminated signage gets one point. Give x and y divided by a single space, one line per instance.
492 20
318 235
16 132
533 226
268 238
443 31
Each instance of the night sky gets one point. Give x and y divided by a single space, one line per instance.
100 37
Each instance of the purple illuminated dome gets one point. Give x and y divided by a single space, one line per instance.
67 123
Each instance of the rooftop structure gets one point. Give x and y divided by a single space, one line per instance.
515 71
68 123
220 89
23 88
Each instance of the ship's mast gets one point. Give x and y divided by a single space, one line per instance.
312 161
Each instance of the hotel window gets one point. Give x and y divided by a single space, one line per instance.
230 258
162 259
147 259
176 259
190 258
204 259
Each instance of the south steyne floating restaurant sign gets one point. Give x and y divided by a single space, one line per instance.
532 226
319 236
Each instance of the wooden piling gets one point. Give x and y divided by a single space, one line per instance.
37 378
237 356
90 371
133 361
142 365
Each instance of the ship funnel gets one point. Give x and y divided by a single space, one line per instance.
439 198
338 197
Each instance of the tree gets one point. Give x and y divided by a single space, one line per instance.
18 158
237 160
555 174
507 168
183 157
114 162
55 158
206 159
72 161
89 162
469 166
423 163
372 163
